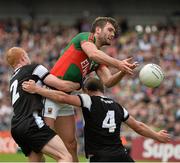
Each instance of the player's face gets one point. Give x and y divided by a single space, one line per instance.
107 34
26 58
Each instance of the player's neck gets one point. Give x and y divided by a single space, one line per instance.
98 42
95 93
18 66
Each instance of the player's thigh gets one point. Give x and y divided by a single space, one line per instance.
56 148
49 122
50 112
65 127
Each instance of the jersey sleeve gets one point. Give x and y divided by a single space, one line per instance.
41 72
126 114
86 101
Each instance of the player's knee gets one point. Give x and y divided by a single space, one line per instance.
71 144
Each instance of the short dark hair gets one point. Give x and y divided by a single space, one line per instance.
93 84
102 21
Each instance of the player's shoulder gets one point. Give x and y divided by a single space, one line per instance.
105 98
81 34
88 36
109 100
31 66
24 70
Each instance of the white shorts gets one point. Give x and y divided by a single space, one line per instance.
55 109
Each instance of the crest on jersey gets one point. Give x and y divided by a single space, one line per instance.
50 110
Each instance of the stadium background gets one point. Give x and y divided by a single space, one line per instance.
150 32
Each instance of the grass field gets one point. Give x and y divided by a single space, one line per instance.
19 157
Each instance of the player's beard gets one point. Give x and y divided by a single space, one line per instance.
105 41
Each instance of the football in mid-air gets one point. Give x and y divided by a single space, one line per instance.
151 75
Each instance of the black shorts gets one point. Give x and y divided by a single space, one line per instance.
30 137
122 157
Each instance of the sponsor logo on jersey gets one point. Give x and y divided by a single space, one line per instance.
85 67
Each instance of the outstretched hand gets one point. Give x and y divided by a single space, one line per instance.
128 67
29 86
163 136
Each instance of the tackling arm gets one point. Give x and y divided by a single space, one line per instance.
59 96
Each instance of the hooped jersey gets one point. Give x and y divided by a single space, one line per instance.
103 117
25 104
74 64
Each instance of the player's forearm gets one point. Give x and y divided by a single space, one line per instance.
66 86
146 131
69 86
102 58
114 79
99 56
51 94
62 85
58 96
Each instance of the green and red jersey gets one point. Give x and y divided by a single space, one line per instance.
74 64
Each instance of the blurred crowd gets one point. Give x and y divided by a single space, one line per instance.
158 107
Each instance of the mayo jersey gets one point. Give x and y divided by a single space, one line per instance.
74 64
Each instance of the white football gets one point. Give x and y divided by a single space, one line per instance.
151 75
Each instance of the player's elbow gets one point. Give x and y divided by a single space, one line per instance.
107 83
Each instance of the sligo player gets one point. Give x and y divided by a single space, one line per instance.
27 126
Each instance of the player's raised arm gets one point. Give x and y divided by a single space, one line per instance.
102 58
31 87
108 79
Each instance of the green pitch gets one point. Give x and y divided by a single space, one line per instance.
19 157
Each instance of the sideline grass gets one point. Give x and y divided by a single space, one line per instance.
19 157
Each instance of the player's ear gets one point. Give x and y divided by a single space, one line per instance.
98 30
22 57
